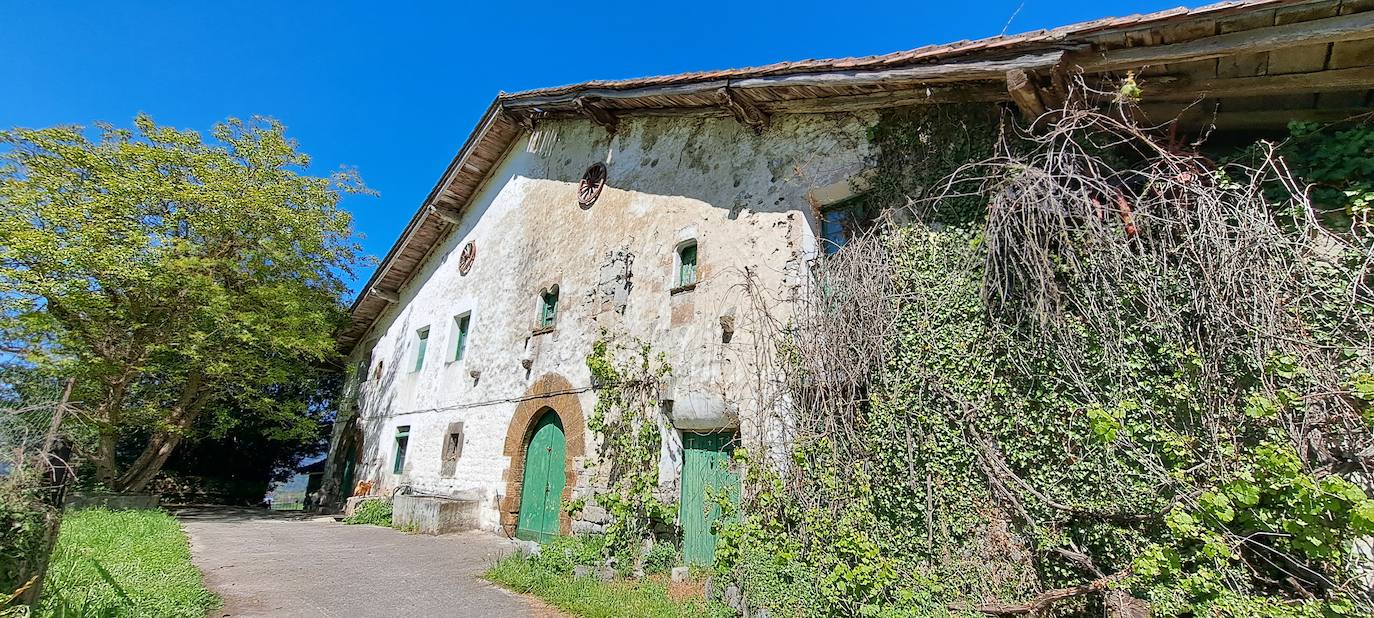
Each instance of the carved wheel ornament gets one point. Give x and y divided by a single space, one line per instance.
590 187
467 257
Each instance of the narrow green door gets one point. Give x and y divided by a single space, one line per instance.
705 474
541 493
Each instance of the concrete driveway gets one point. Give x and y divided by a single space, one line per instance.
269 564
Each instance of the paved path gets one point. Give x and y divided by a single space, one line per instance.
265 564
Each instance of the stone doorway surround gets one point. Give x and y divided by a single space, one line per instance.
550 391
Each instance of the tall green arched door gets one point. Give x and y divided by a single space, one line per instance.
541 492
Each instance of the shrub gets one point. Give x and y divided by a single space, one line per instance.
373 512
661 558
561 554
23 531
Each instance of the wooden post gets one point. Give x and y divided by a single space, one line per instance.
56 425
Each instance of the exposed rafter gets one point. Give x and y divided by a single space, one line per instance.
1025 93
587 107
390 297
445 214
743 110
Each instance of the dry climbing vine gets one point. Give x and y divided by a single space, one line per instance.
1137 376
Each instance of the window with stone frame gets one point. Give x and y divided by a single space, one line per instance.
548 307
461 324
453 448
421 347
686 265
398 462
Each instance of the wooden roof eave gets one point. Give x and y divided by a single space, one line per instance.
373 299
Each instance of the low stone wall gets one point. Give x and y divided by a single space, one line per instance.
428 515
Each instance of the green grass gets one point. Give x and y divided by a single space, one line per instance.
123 563
591 598
371 512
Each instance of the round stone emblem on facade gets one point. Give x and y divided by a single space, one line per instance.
590 187
467 257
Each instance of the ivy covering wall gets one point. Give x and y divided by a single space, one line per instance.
1089 370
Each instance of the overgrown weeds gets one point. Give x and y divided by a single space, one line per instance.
549 576
371 512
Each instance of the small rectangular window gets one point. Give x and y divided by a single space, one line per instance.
834 230
421 347
460 335
453 449
548 308
402 441
687 264
840 222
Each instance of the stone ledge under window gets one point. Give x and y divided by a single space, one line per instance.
683 288
542 330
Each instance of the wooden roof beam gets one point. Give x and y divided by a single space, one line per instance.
390 297
600 115
1336 80
1025 93
743 109
445 214
1328 30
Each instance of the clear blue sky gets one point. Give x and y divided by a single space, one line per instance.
393 88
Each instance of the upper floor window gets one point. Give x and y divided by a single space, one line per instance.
421 347
686 264
548 307
460 335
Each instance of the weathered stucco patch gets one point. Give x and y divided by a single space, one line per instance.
743 197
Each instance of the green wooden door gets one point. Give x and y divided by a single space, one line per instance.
706 474
541 493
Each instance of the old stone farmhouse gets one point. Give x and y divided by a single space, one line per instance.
642 207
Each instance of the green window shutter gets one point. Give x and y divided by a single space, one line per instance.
402 441
421 347
460 335
548 309
687 265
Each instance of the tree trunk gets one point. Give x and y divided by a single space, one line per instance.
105 457
150 461
165 440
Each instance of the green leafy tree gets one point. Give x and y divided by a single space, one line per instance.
172 275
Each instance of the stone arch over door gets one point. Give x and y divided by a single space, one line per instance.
550 392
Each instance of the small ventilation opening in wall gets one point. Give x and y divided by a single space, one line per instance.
590 187
453 448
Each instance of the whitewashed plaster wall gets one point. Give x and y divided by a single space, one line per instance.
748 201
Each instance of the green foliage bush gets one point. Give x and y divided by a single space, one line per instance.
23 530
660 558
562 553
371 512
549 576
